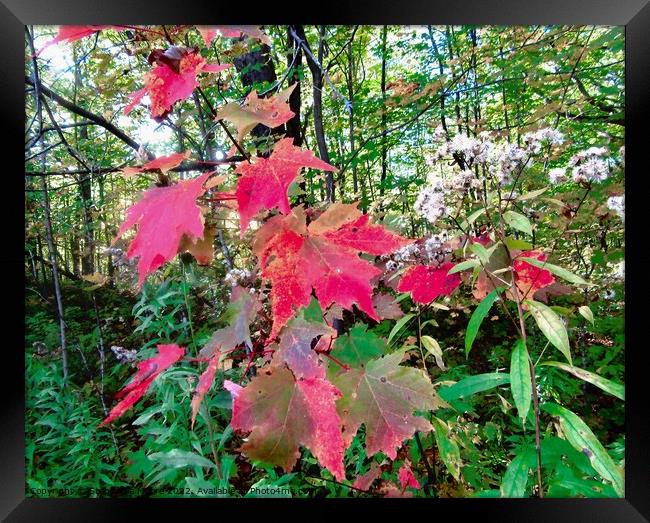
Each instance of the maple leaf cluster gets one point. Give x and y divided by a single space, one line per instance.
298 400
172 79
323 256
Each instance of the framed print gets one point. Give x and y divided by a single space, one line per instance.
378 254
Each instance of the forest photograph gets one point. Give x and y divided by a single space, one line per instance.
324 261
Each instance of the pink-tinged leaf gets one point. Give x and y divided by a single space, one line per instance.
232 387
241 311
282 413
272 112
386 306
426 283
383 395
163 216
172 79
364 481
136 97
406 477
264 182
295 348
205 382
163 164
71 33
148 370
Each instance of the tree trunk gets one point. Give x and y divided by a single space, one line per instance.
317 80
382 181
350 85
259 69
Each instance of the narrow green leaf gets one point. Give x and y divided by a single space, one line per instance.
615 389
586 313
473 384
398 326
434 349
447 447
463 266
583 440
551 326
472 217
518 221
481 252
520 381
532 194
513 484
517 244
555 269
477 318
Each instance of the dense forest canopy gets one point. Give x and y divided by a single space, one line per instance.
325 260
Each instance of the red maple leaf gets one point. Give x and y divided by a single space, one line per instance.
296 259
71 33
282 413
172 79
406 477
528 278
426 283
164 215
204 384
265 181
163 164
148 370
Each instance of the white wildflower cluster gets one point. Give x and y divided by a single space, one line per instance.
430 203
439 134
589 165
464 180
557 175
123 355
472 150
617 204
547 136
504 159
431 251
236 276
433 247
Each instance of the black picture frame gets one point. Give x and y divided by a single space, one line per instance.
633 14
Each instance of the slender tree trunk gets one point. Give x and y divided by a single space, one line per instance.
441 70
294 62
382 182
350 85
49 235
317 80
